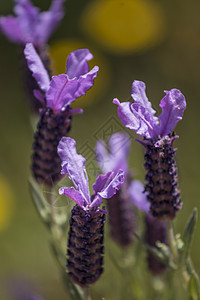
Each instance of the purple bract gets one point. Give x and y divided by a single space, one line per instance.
140 116
30 25
73 165
116 158
138 196
63 89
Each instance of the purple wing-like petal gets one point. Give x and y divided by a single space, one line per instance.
133 117
36 66
61 92
173 106
73 165
116 159
138 196
139 97
77 63
86 81
10 26
73 194
48 21
107 185
28 16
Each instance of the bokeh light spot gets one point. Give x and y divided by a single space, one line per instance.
124 26
6 203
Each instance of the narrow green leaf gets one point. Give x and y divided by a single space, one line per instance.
40 203
194 289
188 235
75 291
161 253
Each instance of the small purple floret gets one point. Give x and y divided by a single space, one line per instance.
140 116
30 25
63 89
73 165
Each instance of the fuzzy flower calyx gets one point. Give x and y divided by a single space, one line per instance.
62 90
73 165
140 116
30 25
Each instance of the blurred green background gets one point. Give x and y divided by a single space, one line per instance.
157 42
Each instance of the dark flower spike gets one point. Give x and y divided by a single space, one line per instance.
55 118
158 139
121 215
155 231
30 25
85 242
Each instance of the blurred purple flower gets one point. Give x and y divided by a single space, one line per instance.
140 116
63 89
121 211
138 196
116 158
73 165
30 25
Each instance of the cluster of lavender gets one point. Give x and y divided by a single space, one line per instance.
54 153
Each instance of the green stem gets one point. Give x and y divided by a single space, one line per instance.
175 254
50 199
172 241
87 295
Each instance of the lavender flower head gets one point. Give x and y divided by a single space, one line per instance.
30 25
85 242
158 139
63 89
121 215
56 96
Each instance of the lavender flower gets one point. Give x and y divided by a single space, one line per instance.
85 242
158 139
56 97
121 215
155 231
30 25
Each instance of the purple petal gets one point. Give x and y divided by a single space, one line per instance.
135 118
73 165
36 66
139 97
73 194
10 26
39 96
116 158
138 116
48 21
77 63
138 196
173 106
61 92
107 185
86 81
28 16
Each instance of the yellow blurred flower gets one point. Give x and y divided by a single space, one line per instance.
6 202
59 52
124 26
